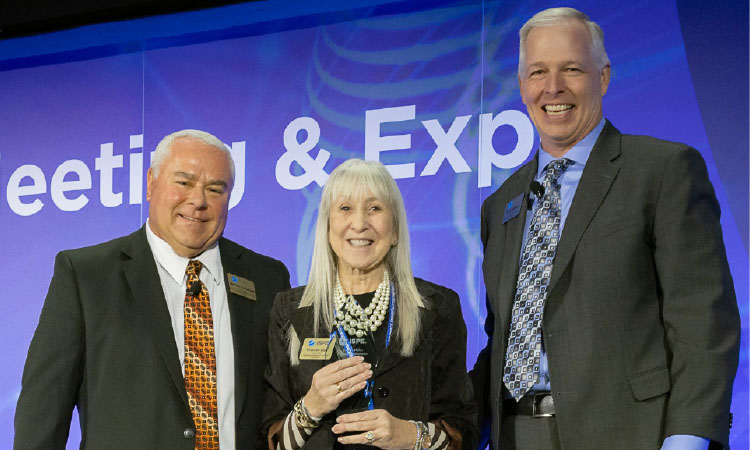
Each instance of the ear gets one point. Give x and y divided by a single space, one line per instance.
520 87
606 71
149 183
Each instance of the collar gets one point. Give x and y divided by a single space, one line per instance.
579 153
175 264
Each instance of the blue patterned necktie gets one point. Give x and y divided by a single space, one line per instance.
524 350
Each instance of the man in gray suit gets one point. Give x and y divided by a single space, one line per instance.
612 319
158 337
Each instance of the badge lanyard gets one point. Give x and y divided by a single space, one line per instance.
346 343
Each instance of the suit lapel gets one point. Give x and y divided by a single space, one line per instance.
391 357
513 238
142 279
241 317
598 176
302 321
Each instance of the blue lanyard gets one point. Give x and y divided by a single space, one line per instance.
346 343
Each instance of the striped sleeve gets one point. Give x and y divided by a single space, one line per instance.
439 438
293 437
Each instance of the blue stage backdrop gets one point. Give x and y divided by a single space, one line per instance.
295 88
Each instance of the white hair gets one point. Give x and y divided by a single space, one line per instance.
557 16
165 146
356 179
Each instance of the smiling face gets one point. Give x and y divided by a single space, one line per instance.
360 232
561 85
188 201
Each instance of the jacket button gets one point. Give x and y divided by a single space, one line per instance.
383 392
188 433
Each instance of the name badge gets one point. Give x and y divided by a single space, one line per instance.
241 286
513 208
317 349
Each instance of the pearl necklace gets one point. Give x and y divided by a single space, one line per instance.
353 318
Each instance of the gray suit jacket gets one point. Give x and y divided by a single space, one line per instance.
641 325
105 344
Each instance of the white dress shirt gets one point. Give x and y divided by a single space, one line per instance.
171 267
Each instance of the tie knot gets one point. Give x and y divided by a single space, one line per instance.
554 169
193 268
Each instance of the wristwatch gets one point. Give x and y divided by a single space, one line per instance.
426 438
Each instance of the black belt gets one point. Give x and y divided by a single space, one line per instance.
535 404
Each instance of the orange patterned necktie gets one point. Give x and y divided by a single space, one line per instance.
200 360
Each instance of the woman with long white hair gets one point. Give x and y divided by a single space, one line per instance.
366 354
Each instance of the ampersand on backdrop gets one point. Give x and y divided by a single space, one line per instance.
298 152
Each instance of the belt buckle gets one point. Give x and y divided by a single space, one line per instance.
537 406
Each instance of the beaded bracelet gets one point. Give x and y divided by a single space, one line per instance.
422 435
419 435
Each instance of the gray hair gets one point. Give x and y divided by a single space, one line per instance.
165 146
355 179
557 16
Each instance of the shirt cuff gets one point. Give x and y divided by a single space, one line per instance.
685 442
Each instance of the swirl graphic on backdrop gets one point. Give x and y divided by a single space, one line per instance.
436 60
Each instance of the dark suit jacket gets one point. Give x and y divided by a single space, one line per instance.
641 325
431 384
105 343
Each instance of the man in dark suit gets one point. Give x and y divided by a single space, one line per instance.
159 337
612 320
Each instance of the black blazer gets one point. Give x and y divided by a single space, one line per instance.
431 384
641 325
105 344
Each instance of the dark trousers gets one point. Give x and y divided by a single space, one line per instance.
518 432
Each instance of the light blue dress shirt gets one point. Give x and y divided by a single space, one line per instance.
568 181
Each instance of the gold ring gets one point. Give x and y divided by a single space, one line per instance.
338 388
370 437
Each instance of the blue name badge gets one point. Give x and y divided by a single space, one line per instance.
513 208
